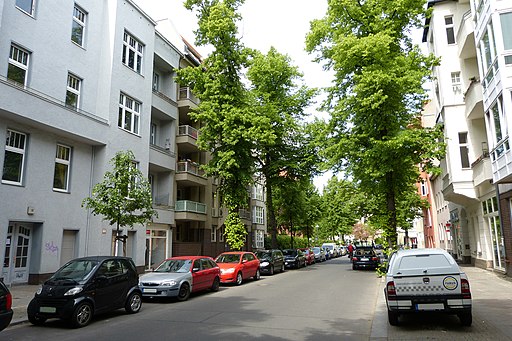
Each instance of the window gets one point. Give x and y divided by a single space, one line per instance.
221 235
450 33
257 216
73 91
214 234
14 159
464 150
132 52
259 239
257 192
129 114
152 134
26 6
424 188
78 26
18 65
156 81
456 86
61 173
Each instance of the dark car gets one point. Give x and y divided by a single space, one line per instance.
294 258
85 287
309 254
5 306
270 261
365 257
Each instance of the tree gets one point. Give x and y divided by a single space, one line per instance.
123 197
375 102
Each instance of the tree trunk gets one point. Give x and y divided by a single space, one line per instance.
272 223
391 206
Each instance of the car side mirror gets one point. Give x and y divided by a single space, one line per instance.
244 261
195 269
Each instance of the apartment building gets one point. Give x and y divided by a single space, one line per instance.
464 194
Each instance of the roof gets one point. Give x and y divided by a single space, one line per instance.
187 257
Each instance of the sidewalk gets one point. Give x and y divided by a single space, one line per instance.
21 296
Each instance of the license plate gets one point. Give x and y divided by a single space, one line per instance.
47 310
149 291
430 306
364 259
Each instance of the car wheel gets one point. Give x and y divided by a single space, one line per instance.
82 315
393 318
133 303
257 275
239 278
36 320
271 271
184 292
466 319
216 284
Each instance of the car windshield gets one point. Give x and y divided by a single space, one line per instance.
175 265
263 255
290 252
75 271
365 252
228 258
316 250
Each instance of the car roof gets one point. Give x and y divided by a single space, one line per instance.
187 257
424 251
234 252
99 258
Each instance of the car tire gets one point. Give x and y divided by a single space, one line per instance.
82 315
133 303
239 279
183 292
257 276
36 320
216 285
271 271
393 318
466 319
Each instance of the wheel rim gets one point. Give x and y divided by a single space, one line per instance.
239 278
135 302
84 314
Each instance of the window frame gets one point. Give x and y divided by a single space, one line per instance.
135 114
19 64
71 89
450 30
258 216
137 49
13 149
32 7
64 162
80 19
464 150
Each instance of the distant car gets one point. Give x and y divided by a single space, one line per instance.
294 258
326 252
365 257
270 261
235 267
85 287
420 280
5 306
319 254
180 276
343 250
331 249
309 255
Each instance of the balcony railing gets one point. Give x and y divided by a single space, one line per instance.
190 206
161 200
164 97
189 167
186 130
186 93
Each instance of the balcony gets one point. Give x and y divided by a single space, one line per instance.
187 138
164 210
501 160
187 99
244 214
482 170
190 174
459 191
162 157
474 101
466 37
190 210
166 107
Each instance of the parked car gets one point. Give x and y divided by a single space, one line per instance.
343 250
294 258
319 254
5 306
180 276
310 256
419 280
365 257
235 267
85 287
270 261
331 249
326 252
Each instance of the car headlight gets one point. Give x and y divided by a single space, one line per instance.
73 291
39 290
228 271
170 283
264 264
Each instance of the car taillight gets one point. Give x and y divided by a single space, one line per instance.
354 258
375 258
465 291
391 290
8 301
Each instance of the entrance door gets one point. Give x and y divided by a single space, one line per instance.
17 253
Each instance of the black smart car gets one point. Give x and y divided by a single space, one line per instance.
85 287
5 306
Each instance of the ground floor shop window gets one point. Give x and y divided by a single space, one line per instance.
156 247
491 217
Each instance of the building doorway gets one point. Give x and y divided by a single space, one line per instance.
17 253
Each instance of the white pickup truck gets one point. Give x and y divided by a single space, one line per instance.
419 280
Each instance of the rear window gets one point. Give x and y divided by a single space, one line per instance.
421 262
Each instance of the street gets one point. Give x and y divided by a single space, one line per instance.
326 301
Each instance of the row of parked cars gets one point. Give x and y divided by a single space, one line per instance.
85 287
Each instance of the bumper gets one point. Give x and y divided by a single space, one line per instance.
55 308
5 319
360 264
291 263
159 291
447 304
265 269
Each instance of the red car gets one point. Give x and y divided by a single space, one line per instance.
309 255
237 266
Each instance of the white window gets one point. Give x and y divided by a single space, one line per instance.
26 6
62 164
152 134
450 33
129 114
132 52
78 26
14 158
259 239
214 234
73 91
258 215
18 65
456 85
257 192
464 149
424 188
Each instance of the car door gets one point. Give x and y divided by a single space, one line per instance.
109 282
198 276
